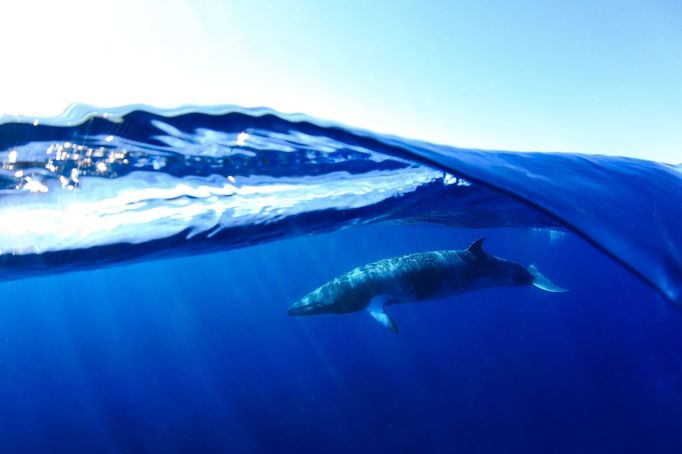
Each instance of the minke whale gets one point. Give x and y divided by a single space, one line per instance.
416 277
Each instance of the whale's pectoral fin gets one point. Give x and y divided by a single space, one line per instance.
382 317
541 282
376 310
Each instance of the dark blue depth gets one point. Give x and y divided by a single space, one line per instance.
198 355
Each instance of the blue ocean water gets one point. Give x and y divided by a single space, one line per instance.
217 219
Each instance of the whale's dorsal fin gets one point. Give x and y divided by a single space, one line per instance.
376 310
476 248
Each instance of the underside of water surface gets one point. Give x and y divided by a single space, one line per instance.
107 186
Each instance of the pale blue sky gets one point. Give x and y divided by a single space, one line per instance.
585 76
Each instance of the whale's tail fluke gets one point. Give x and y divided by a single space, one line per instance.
542 282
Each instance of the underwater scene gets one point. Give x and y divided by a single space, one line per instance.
220 279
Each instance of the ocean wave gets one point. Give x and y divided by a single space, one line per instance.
95 187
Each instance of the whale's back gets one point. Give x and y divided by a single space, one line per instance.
426 275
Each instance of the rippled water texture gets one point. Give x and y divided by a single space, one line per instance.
104 186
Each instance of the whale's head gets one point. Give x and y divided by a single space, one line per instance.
317 302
